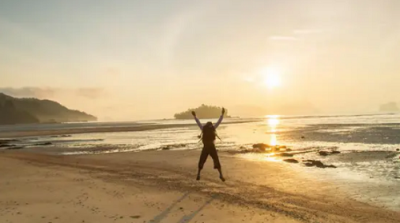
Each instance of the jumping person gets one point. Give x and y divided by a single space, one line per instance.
208 137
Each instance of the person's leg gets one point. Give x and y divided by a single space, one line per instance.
221 176
203 159
217 164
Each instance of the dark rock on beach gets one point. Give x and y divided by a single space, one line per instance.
323 153
327 153
261 146
169 147
60 136
7 141
286 154
44 144
16 147
291 160
316 163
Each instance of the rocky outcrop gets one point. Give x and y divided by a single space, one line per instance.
316 163
202 112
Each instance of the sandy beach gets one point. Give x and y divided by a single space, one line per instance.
160 186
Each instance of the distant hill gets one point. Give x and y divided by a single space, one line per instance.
32 110
202 112
389 107
10 115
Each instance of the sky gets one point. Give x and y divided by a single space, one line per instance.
130 60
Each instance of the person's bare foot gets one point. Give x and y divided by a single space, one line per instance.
198 177
222 178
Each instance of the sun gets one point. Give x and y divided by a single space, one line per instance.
271 77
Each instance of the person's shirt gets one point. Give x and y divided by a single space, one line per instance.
215 125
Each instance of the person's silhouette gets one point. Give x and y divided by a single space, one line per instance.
208 137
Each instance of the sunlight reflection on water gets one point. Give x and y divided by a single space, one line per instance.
273 122
271 158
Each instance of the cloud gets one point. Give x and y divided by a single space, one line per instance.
30 92
297 34
307 31
91 93
282 38
248 79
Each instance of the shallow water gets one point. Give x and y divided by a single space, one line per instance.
355 136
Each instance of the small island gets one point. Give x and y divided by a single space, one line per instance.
202 112
32 110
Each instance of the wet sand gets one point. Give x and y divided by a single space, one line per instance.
72 130
160 186
67 130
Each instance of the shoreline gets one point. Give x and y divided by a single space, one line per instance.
93 129
37 133
254 191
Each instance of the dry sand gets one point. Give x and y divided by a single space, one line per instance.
160 187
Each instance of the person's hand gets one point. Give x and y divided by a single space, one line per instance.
223 111
194 113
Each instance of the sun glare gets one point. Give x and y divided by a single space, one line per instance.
273 122
271 77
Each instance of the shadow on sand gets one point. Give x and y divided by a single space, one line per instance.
184 219
188 218
165 213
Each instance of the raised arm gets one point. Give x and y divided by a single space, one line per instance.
197 120
220 118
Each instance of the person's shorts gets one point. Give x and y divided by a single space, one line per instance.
212 151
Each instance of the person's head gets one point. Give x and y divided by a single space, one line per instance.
209 133
209 124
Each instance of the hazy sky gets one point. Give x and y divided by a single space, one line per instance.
131 59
